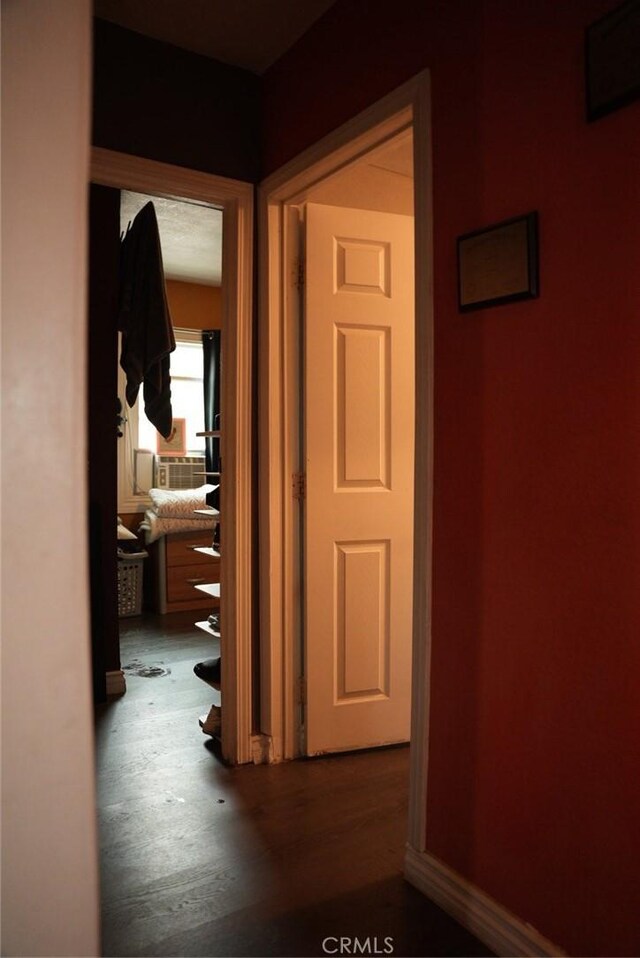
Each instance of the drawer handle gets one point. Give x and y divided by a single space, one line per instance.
196 580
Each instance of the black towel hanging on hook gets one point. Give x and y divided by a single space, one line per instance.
145 321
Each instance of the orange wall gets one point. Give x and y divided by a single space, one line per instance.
534 791
194 306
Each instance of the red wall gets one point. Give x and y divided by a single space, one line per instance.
534 780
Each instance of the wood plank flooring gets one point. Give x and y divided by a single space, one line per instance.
201 859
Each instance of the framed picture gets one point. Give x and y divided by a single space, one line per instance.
176 444
612 60
498 264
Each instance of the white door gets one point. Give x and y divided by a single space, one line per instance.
359 437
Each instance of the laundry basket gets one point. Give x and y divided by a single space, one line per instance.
130 583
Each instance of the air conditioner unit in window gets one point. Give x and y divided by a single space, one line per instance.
179 472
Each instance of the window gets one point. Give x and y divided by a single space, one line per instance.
186 395
139 441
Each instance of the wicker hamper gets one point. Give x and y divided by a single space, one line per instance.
130 584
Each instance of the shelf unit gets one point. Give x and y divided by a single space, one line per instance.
211 589
206 626
207 551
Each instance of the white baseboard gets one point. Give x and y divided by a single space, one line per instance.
116 684
262 749
504 933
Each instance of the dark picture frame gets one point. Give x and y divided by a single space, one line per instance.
612 60
498 264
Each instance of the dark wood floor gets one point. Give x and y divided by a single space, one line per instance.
201 859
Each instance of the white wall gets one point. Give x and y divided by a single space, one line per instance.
49 853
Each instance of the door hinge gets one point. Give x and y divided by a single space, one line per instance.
299 485
302 690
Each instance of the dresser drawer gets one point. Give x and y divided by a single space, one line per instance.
182 579
180 550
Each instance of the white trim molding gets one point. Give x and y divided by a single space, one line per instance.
235 199
494 925
423 463
407 108
116 683
262 750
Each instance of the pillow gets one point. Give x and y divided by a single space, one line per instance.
179 503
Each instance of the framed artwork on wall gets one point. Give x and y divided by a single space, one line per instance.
612 60
176 444
499 263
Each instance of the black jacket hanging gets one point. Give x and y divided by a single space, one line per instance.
145 321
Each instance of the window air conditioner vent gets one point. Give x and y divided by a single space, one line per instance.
179 472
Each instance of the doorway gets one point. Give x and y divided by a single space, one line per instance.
406 110
235 200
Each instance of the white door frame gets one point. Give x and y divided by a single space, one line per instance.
407 107
235 198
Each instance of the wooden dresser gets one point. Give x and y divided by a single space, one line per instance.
176 568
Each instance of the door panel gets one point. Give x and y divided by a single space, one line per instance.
359 433
362 620
362 407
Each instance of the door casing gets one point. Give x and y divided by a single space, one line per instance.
408 107
235 198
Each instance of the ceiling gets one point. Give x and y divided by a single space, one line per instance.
382 180
191 235
251 34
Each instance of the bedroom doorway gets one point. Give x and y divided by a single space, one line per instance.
232 202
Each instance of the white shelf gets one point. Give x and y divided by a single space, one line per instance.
211 588
216 698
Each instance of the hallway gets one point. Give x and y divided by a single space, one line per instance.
200 859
